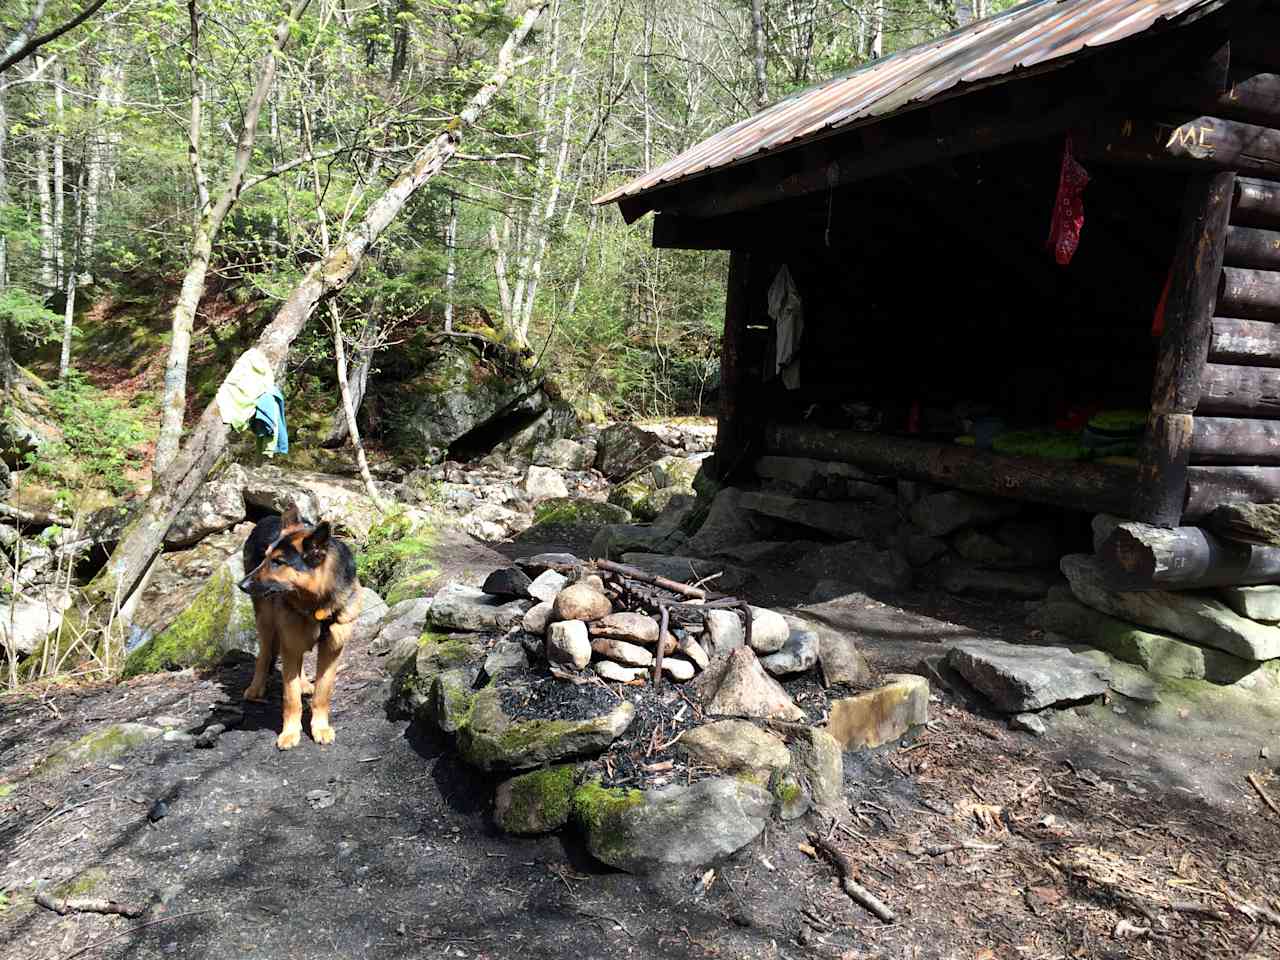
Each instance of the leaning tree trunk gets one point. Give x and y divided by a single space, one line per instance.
349 411
171 490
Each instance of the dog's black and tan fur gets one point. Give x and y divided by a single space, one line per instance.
305 594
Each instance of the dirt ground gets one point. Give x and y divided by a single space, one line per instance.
1103 840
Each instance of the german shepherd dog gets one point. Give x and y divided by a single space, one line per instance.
305 593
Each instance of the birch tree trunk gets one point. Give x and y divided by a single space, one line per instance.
450 261
143 538
212 213
48 268
877 30
349 410
357 379
94 154
965 10
757 33
59 171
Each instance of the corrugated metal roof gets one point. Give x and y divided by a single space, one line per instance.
1020 38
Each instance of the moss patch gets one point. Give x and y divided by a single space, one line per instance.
196 638
101 745
536 802
398 558
575 511
602 814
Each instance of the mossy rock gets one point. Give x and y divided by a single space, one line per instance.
219 620
100 746
577 512
674 827
493 741
398 558
536 802
436 653
632 492
453 698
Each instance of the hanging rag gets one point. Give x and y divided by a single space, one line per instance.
1068 208
249 379
788 313
268 421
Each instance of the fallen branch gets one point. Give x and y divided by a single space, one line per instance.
1256 783
635 573
37 517
662 646
66 905
854 889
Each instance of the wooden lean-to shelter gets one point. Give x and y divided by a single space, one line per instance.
910 201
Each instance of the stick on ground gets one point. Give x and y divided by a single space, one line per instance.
64 905
854 889
1262 792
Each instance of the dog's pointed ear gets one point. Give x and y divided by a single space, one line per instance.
315 545
290 517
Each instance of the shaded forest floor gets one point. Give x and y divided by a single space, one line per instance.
989 845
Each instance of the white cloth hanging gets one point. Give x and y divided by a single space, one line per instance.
788 313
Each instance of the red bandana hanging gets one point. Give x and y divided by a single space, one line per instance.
1068 208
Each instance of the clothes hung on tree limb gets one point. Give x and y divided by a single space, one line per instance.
249 398
788 315
1068 208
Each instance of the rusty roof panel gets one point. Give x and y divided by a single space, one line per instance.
1022 37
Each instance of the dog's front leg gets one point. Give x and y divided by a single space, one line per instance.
257 690
291 730
327 654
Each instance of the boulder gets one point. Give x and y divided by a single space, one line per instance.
769 630
676 827
31 619
508 582
218 621
557 421
859 616
579 601
1195 617
793 799
939 514
542 483
727 525
547 585
1157 653
563 454
983 550
798 654
844 519
817 760
493 741
318 496
1017 678
577 512
452 696
608 670
821 480
859 563
963 579
567 642
724 632
372 609
540 563
745 690
536 802
1254 603
623 448
216 506
838 654
1031 723
615 540
505 655
734 746
452 393
459 607
405 619
632 627
878 716
919 548
627 654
